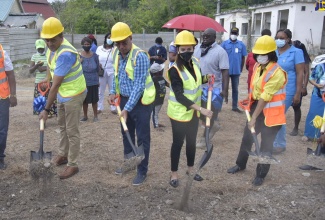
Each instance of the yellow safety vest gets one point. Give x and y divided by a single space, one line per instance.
192 91
4 84
149 90
74 82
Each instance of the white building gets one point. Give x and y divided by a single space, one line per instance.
300 16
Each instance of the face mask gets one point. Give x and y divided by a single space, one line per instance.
233 37
280 43
41 54
262 59
186 56
109 41
86 48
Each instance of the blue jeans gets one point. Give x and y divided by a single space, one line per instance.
280 139
234 89
138 122
4 124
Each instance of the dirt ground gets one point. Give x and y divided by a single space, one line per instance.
97 193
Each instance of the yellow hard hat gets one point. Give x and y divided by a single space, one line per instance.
184 38
39 44
264 45
120 31
51 28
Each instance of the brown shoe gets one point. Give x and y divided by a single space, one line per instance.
68 172
59 160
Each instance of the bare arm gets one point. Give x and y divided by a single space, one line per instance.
225 84
242 63
299 78
259 108
305 79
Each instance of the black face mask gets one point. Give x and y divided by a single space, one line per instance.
186 56
86 48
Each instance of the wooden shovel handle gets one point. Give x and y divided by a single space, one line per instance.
121 118
41 124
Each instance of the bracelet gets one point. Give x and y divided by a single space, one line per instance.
47 110
13 96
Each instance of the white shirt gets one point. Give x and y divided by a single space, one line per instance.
103 55
8 63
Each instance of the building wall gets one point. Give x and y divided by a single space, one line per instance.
306 26
16 8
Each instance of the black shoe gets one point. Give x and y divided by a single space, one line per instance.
278 150
174 183
3 166
197 177
258 181
308 167
234 169
294 132
237 110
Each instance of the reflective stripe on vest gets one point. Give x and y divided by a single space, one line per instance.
149 92
74 82
274 110
3 80
191 90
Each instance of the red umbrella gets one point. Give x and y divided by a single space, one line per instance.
194 22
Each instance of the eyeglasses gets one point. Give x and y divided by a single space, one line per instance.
122 43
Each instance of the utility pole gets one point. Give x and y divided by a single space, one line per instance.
218 7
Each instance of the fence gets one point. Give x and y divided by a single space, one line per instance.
20 43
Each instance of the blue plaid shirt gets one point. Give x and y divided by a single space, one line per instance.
132 88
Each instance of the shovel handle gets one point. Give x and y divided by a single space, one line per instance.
207 121
41 125
249 119
121 118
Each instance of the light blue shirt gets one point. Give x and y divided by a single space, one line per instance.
287 61
236 51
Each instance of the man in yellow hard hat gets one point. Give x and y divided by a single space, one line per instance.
7 99
69 87
134 86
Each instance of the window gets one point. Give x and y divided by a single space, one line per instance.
222 23
283 19
257 24
303 8
244 28
232 24
267 20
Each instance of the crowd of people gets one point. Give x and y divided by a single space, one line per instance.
70 80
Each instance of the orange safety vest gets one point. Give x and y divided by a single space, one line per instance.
274 111
4 84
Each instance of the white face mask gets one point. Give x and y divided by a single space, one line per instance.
262 59
233 37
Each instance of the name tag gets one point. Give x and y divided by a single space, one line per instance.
236 50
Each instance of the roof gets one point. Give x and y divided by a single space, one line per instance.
38 6
19 20
5 8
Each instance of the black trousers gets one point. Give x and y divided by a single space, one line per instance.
268 135
180 131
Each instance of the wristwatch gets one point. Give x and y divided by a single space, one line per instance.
13 96
47 110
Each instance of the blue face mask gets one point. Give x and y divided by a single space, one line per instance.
109 41
280 43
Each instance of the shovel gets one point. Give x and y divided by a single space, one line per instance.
135 157
257 155
40 155
207 154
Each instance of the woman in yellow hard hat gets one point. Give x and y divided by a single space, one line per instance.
184 103
266 104
38 65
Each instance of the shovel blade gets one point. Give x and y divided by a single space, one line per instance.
35 156
316 161
263 159
206 156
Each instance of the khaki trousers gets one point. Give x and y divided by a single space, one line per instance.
68 119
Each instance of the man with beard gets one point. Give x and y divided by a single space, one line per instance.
213 60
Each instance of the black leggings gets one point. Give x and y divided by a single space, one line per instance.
183 130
